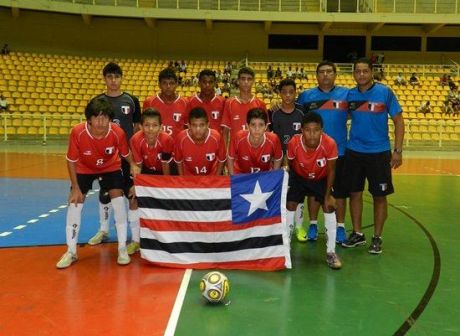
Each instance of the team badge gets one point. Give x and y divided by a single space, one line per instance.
296 126
265 158
177 116
126 109
210 156
215 115
383 186
109 150
321 162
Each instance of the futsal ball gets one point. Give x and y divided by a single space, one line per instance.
214 286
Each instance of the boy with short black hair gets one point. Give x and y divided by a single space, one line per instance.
199 150
312 156
207 98
152 150
94 153
254 150
236 108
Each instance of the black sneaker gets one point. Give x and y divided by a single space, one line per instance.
354 240
375 247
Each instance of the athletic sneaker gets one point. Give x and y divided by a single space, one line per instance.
312 232
341 235
66 260
301 234
375 247
333 260
133 247
98 238
354 240
123 257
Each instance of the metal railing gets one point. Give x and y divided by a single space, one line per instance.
329 6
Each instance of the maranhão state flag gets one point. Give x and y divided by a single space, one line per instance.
226 222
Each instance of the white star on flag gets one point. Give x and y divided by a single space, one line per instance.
258 199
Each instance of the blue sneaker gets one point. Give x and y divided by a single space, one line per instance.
312 232
341 235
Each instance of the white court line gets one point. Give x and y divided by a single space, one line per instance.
44 215
4 234
62 206
34 220
53 210
20 227
172 323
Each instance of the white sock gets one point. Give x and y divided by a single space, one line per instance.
299 215
72 227
121 220
341 225
133 219
331 231
104 216
290 223
314 222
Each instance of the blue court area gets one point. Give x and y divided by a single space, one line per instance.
33 212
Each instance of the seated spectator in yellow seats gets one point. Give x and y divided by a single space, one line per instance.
413 80
3 104
425 107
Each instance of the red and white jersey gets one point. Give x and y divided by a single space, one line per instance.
96 156
249 159
202 158
311 163
151 157
173 115
214 109
235 112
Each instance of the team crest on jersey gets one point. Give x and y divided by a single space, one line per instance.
210 156
236 117
321 162
245 157
126 109
383 186
177 116
109 150
215 115
88 153
296 126
265 158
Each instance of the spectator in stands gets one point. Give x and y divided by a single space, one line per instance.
451 83
278 73
269 72
413 80
443 80
3 104
448 108
228 68
5 50
218 90
183 67
399 80
290 73
380 58
425 107
379 74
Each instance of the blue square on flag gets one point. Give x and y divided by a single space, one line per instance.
256 196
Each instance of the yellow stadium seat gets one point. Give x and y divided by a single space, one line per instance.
32 131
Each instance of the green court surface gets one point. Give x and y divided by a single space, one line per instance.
411 288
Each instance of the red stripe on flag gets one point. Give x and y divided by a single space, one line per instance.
161 181
163 225
268 264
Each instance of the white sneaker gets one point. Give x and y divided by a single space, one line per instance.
98 238
66 260
123 257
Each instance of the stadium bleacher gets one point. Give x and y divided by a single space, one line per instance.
47 92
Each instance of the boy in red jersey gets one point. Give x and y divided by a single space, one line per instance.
236 108
173 107
199 150
94 153
254 150
152 151
312 156
208 100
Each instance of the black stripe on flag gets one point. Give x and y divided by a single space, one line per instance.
200 247
184 204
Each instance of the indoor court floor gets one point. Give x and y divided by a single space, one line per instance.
412 288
